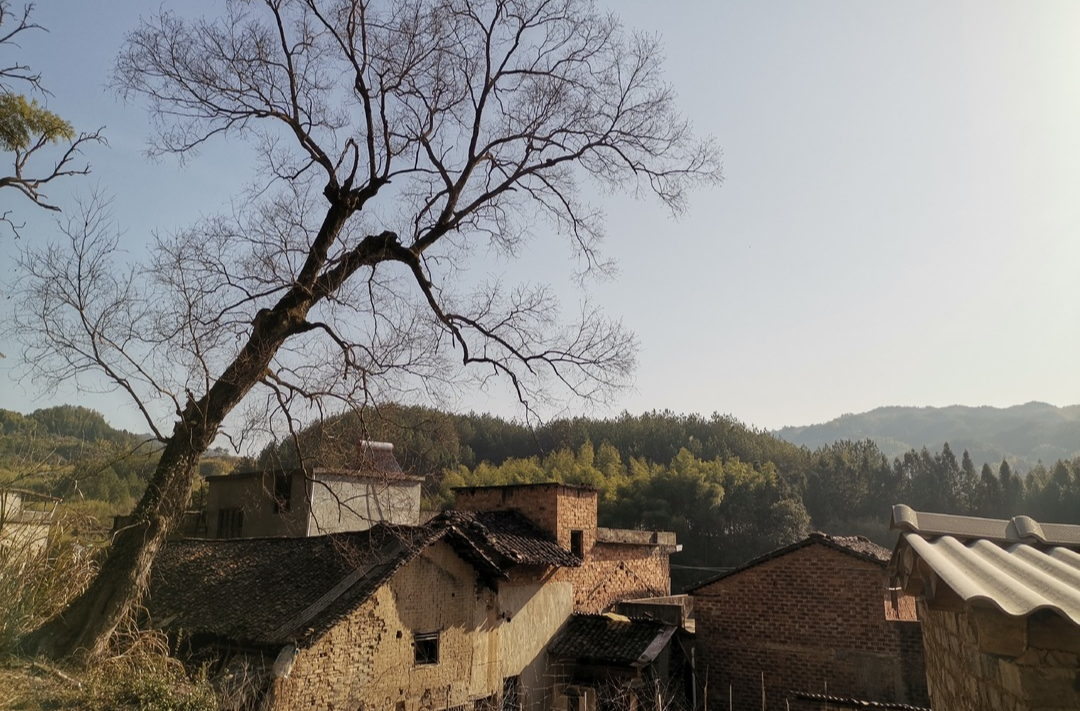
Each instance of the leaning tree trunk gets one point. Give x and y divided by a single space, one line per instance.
86 625
89 621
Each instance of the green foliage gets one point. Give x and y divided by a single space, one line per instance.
23 123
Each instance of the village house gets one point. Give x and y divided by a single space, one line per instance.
808 626
312 501
999 602
457 613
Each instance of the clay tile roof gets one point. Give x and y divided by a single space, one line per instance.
509 538
272 591
1017 566
275 590
611 640
860 545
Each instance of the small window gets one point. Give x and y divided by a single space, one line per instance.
426 648
511 695
230 523
282 493
577 543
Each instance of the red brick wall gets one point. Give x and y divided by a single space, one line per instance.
812 617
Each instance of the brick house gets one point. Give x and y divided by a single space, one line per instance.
457 613
313 501
809 618
999 602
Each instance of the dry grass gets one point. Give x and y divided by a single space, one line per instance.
139 675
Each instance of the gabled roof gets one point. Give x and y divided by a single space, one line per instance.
273 591
512 537
1017 566
855 546
276 590
611 640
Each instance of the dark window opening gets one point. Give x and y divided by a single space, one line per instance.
282 493
577 543
230 523
426 648
511 696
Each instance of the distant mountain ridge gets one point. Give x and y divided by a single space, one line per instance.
1024 434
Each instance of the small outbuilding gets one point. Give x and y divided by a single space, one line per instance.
999 602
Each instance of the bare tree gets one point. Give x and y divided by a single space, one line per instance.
28 129
397 138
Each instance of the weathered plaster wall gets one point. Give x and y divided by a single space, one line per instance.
483 638
812 617
322 503
981 660
347 503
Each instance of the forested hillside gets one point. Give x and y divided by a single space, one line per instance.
72 453
729 491
1024 434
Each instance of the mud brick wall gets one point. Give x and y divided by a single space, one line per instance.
614 572
610 571
367 661
811 617
981 660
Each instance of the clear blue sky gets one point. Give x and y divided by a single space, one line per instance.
899 224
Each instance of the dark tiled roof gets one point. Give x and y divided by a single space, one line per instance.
860 545
279 590
611 640
843 703
275 590
510 537
856 546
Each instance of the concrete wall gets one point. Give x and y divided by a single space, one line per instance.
981 660
812 617
367 661
340 502
320 503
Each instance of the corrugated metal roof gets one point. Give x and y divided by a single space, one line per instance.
1017 566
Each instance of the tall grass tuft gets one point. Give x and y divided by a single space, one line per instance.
38 576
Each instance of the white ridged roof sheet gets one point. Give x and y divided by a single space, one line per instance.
1017 579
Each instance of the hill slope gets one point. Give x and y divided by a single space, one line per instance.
1023 433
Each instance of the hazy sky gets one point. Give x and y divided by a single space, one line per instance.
899 222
